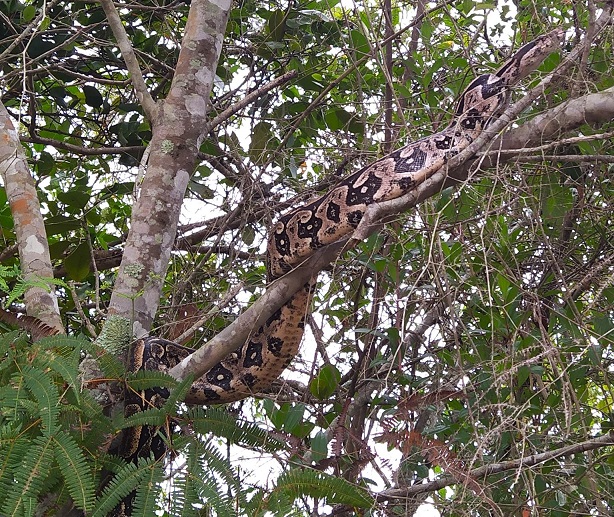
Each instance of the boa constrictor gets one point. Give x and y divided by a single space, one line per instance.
325 220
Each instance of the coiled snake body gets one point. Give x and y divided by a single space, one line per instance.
325 220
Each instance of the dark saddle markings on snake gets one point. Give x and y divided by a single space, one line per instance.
323 221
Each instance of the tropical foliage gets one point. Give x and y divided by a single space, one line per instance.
459 360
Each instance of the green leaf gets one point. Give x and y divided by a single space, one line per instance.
75 470
61 224
45 164
294 417
30 476
225 425
334 490
93 97
77 264
359 43
129 477
28 13
277 25
319 447
556 202
325 383
148 491
261 138
76 199
47 397
144 379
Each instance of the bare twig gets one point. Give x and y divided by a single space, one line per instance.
551 145
228 297
149 105
75 298
249 98
494 468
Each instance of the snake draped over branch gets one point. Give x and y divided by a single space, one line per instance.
327 219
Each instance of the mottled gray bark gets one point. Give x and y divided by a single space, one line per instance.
177 135
40 299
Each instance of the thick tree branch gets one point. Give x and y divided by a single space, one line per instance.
30 231
175 142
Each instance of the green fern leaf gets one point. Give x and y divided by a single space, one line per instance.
154 417
63 360
225 425
75 470
307 482
46 394
198 484
9 433
178 395
144 379
10 401
145 501
7 340
125 481
11 454
110 365
29 476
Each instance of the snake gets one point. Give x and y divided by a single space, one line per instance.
311 226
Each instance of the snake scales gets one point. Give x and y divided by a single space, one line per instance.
327 219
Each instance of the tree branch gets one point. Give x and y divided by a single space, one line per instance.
175 142
495 468
249 98
30 231
146 100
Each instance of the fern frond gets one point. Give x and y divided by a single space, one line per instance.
29 476
65 364
110 365
11 454
62 344
46 394
197 485
6 342
334 490
146 499
225 425
178 394
144 379
212 460
124 482
9 433
10 401
75 470
153 416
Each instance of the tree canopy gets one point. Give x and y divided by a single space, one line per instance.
458 360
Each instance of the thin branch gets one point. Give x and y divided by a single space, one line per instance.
88 151
75 298
34 24
226 299
551 145
147 102
568 158
495 468
249 98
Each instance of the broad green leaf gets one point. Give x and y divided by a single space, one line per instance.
77 264
93 97
325 382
